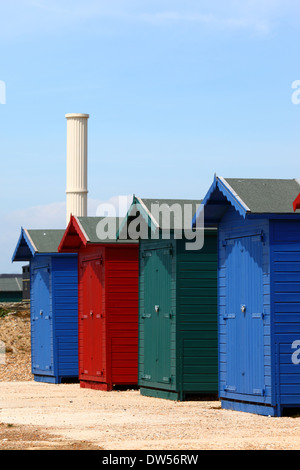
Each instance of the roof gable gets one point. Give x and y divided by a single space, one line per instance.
250 197
32 242
82 231
158 214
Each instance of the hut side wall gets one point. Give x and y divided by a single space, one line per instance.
65 306
285 295
121 274
197 327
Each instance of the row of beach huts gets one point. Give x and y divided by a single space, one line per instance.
205 304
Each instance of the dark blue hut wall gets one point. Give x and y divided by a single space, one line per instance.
234 226
285 295
65 306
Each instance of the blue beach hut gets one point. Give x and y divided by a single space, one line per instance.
258 292
54 305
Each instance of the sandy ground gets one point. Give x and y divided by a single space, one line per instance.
125 420
44 416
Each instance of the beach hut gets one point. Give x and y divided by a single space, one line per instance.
54 305
177 300
259 292
108 302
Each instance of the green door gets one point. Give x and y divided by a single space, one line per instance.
157 316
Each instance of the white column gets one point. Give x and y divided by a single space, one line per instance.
77 151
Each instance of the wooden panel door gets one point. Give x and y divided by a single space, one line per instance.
42 334
157 316
93 338
244 316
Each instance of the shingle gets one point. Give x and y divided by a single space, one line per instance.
90 225
266 195
46 241
164 220
11 284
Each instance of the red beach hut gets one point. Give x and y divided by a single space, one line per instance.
108 273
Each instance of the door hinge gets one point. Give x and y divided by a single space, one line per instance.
171 251
167 380
146 377
258 315
229 388
169 315
229 316
259 238
228 242
259 391
146 315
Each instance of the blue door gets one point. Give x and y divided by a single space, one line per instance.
244 316
42 338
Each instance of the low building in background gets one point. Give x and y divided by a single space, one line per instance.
11 289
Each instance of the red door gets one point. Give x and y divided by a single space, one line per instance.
92 344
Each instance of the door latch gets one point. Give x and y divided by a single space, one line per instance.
157 308
243 308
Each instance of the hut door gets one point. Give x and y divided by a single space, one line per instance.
42 343
157 315
92 326
244 316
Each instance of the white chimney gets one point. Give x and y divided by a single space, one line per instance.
77 145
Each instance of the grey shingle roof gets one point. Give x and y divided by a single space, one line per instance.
90 225
46 241
163 220
266 195
11 283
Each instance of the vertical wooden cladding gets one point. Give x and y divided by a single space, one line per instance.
285 291
65 306
122 307
197 315
108 315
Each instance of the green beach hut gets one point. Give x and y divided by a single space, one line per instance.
178 345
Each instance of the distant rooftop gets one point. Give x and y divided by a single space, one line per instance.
11 283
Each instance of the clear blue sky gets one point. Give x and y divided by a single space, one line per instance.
176 91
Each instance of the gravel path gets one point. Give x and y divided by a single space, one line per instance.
124 420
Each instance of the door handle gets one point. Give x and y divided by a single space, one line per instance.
243 308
